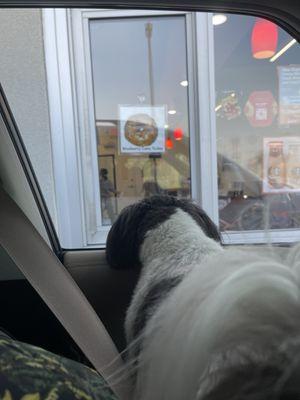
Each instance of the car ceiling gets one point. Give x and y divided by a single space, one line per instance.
285 13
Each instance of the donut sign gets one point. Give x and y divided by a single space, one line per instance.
142 129
260 108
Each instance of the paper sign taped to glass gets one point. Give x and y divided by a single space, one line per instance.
281 165
142 129
289 94
260 108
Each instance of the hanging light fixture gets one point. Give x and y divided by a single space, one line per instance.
169 143
178 134
264 39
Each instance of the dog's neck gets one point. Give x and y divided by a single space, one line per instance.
168 253
177 242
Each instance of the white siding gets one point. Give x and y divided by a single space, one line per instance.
23 77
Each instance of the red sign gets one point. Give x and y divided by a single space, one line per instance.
261 108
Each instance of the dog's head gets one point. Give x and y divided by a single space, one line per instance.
127 234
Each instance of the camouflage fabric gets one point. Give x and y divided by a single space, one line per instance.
31 373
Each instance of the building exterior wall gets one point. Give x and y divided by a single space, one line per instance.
23 77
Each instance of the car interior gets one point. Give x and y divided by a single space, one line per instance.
66 299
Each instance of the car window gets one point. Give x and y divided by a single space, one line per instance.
118 105
257 77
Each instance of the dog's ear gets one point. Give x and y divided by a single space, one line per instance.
122 244
127 234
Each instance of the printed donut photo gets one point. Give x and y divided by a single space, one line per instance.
141 130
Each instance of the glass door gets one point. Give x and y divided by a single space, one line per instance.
140 90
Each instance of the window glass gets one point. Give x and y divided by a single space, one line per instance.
117 105
257 80
140 87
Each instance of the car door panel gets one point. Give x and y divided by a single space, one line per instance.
109 291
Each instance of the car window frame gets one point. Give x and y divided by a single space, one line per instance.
23 156
288 19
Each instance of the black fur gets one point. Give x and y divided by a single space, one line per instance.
156 294
128 232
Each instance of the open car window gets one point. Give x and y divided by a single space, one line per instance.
117 105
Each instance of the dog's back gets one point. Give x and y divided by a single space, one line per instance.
210 323
238 312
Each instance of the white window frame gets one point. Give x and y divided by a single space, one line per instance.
69 75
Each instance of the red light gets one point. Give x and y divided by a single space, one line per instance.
169 143
178 134
264 39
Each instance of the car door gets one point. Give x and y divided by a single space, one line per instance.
79 84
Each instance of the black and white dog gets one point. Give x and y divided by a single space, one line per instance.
204 322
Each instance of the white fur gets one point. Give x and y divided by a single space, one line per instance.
172 249
293 259
230 307
232 300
